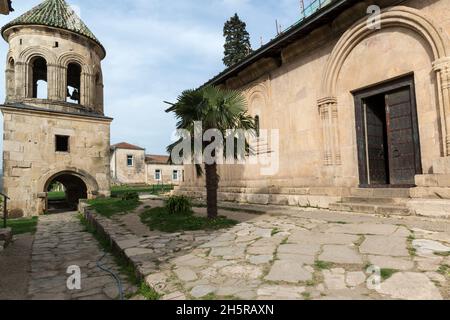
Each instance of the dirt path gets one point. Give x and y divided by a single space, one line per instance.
15 268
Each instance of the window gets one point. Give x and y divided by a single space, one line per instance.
158 174
175 175
39 78
62 144
73 83
130 160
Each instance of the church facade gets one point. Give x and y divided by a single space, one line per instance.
361 100
55 129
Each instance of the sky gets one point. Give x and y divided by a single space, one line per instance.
158 48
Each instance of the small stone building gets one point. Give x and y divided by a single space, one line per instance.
131 166
54 124
362 109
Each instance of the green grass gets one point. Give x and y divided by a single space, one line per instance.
387 273
160 219
21 226
118 191
111 206
56 196
322 265
148 292
444 270
442 254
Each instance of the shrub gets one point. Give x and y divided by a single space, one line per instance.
127 196
179 205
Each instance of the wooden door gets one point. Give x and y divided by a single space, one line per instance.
388 134
400 132
376 133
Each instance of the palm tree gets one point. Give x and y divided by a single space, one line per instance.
215 109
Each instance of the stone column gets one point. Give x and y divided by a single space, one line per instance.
87 84
442 69
329 122
61 83
53 82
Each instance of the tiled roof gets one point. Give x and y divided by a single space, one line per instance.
127 146
156 159
54 13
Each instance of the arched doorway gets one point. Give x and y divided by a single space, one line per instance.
64 192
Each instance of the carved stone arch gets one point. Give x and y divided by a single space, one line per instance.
403 17
78 183
89 180
10 76
65 59
259 90
32 52
395 17
87 77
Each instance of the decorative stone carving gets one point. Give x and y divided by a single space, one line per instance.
330 131
442 69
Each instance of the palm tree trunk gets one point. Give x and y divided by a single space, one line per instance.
212 186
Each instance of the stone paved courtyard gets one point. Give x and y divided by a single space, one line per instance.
60 242
293 254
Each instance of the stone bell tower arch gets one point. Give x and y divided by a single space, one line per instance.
54 120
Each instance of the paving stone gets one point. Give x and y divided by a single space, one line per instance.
288 271
280 292
364 228
174 296
261 250
334 281
242 271
257 260
384 262
410 286
355 279
202 291
186 274
431 263
385 246
263 233
429 246
229 253
340 254
296 258
437 277
300 249
189 261
308 237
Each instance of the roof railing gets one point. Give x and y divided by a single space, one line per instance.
309 10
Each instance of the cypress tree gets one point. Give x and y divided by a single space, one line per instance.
237 41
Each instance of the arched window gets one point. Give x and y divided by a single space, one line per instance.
74 83
39 78
10 78
257 126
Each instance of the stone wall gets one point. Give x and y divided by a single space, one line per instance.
30 161
124 174
166 174
307 96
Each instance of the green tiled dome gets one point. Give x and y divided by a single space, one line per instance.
53 13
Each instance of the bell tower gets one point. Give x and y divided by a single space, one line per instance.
55 129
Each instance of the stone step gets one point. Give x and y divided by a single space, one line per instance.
381 192
376 201
371 208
